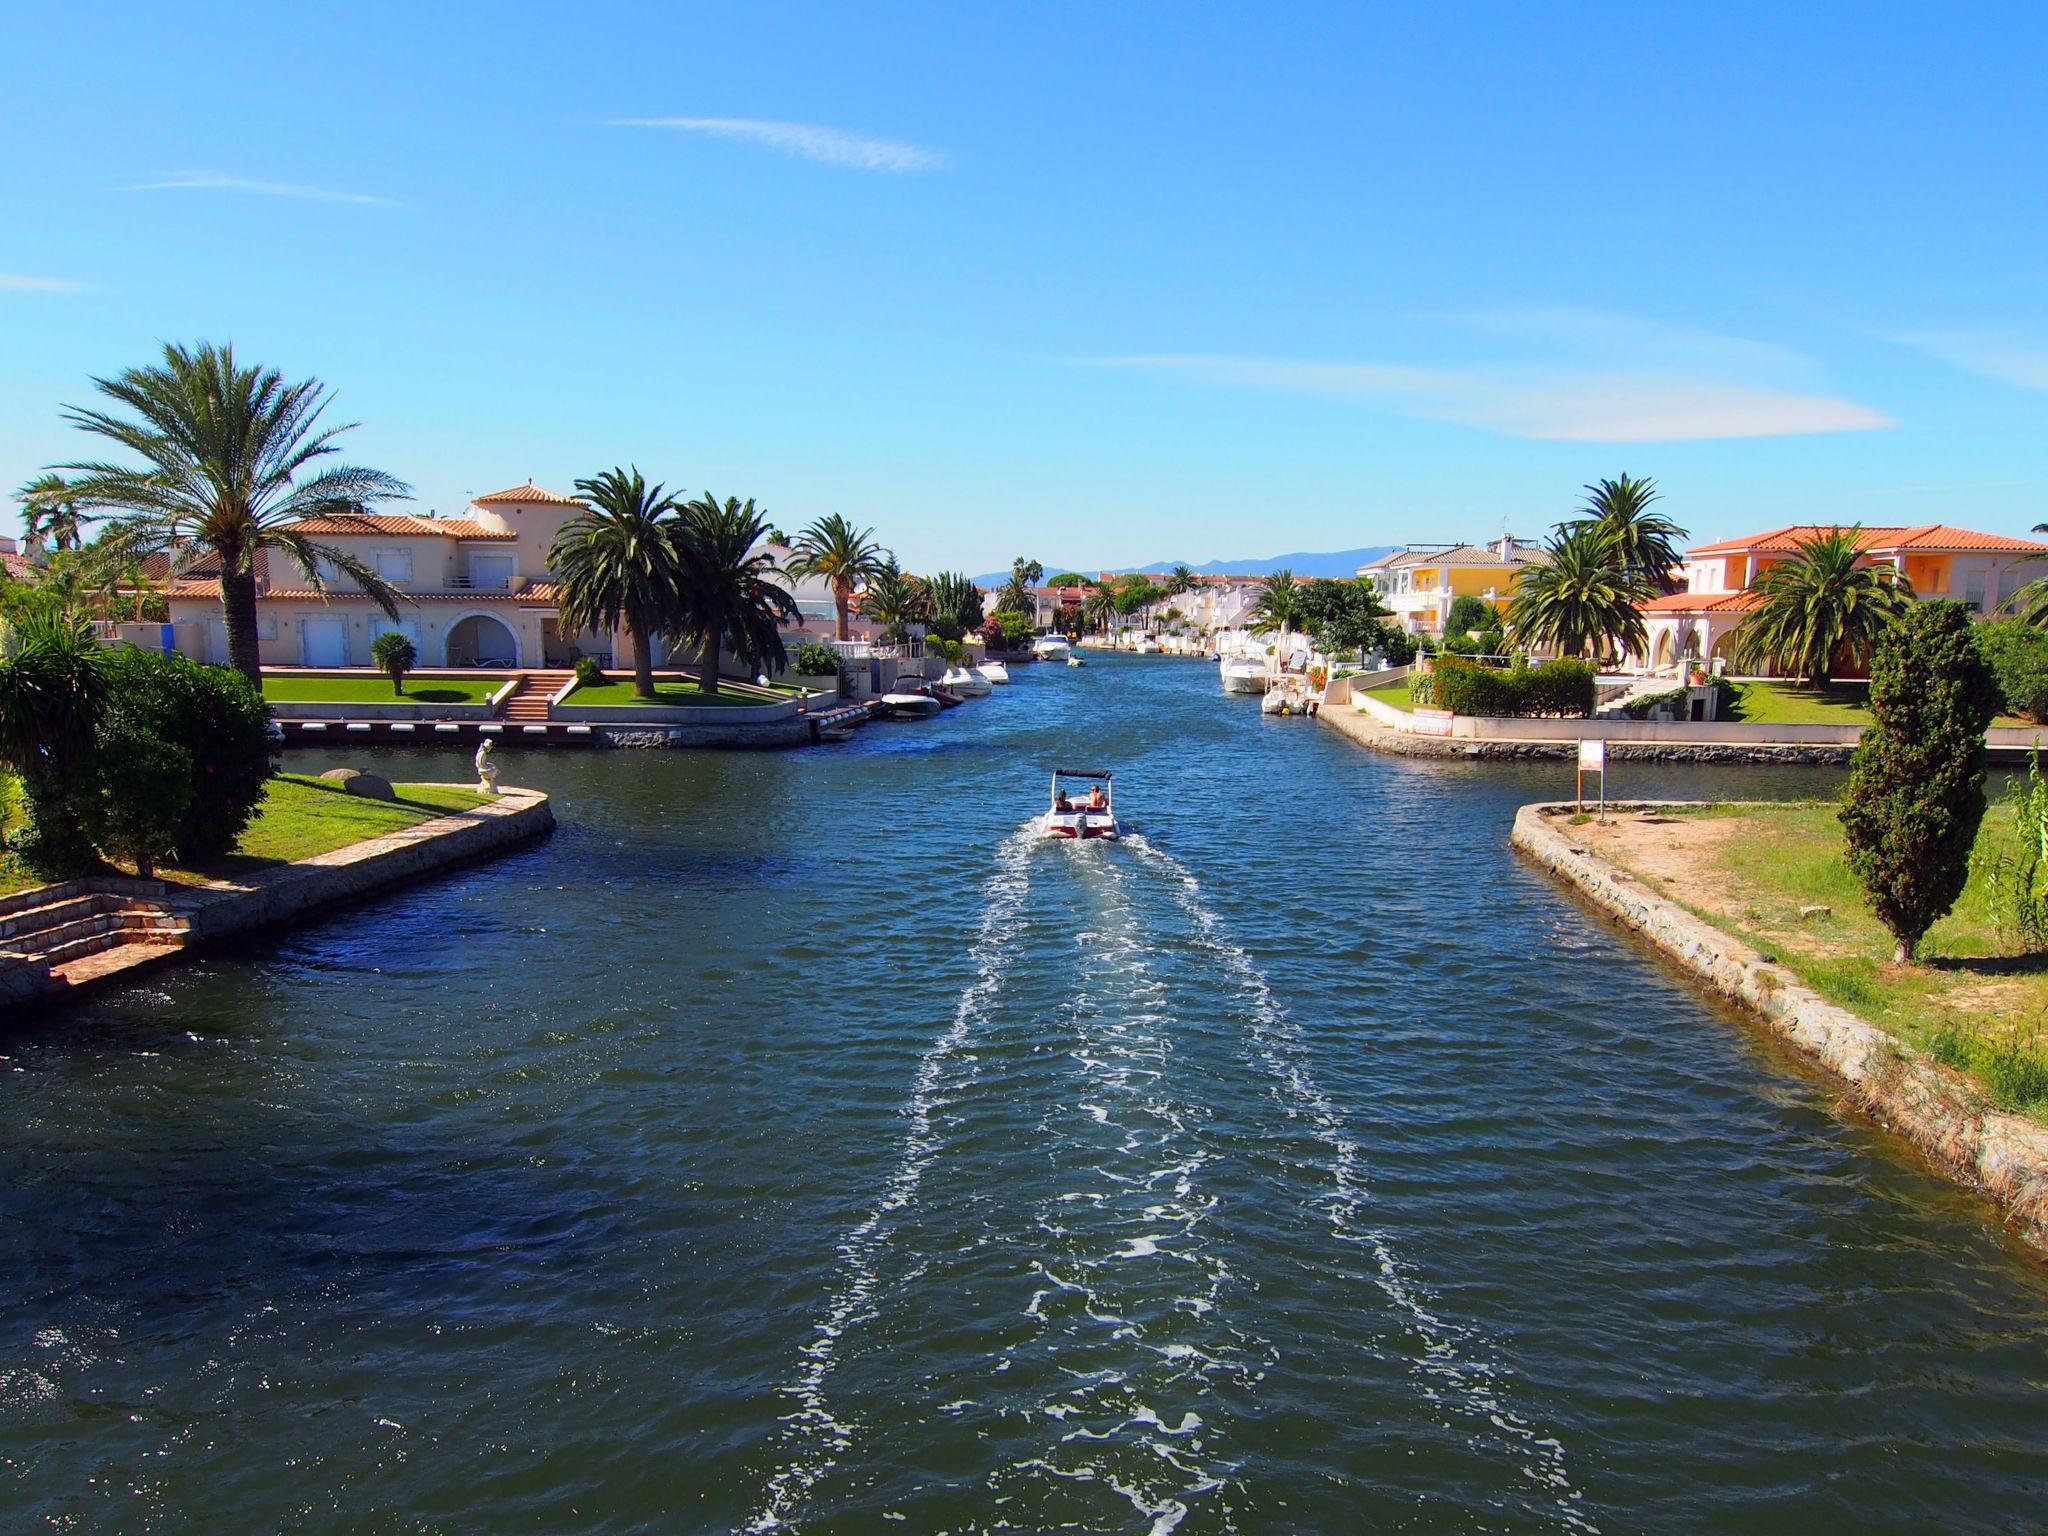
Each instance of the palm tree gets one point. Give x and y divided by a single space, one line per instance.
1581 599
1645 543
731 590
1099 608
895 600
1278 606
1016 596
621 563
52 696
1820 610
231 462
956 603
49 510
1180 579
845 556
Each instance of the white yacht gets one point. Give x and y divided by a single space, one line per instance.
1052 647
967 682
995 671
1147 646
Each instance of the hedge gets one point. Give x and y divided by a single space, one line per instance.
1555 688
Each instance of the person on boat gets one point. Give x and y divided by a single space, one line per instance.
1096 801
1061 804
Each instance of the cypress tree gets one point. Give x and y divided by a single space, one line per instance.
1916 783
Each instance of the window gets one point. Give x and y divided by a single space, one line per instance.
491 573
1973 590
394 565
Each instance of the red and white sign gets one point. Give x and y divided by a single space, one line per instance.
1433 722
1593 754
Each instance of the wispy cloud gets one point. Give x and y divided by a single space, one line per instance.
1996 354
1571 375
218 181
21 282
832 146
1560 405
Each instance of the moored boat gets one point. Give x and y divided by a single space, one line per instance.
967 682
1052 647
907 702
1243 675
995 671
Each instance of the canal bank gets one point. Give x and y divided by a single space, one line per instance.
791 1132
1938 1112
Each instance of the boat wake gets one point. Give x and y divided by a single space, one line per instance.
815 1436
1450 1365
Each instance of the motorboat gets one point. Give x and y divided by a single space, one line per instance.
967 682
995 671
1089 815
1052 647
908 701
1290 696
1241 674
1147 646
1076 661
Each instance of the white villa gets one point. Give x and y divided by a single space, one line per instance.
477 592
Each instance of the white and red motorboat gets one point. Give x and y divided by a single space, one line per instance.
1079 815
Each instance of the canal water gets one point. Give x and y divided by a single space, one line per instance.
794 1142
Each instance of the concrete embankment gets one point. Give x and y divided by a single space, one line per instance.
1362 728
280 894
1940 1113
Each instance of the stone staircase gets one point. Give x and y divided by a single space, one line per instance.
53 933
528 703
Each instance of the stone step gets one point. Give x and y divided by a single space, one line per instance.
33 920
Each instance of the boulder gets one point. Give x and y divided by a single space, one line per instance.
373 786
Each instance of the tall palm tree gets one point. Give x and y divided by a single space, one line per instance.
1820 610
231 462
49 511
1180 579
895 600
1016 595
845 556
1278 606
1581 599
1099 608
1645 543
731 590
621 563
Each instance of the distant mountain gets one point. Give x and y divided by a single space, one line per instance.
1336 562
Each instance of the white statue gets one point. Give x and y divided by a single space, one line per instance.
486 770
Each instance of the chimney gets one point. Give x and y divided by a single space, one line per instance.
1506 547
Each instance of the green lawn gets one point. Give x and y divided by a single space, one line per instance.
617 693
313 688
1972 999
1784 703
1394 693
300 816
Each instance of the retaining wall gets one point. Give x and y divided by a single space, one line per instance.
1939 1112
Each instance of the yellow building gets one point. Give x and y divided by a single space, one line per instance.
1420 582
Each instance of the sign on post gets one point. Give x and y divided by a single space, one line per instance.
1593 759
1432 722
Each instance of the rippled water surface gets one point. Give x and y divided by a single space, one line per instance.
793 1141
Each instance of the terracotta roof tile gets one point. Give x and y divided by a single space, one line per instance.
403 523
1701 602
530 493
1933 536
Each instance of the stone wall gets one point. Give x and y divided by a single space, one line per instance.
1941 1113
1362 727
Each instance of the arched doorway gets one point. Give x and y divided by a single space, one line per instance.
482 640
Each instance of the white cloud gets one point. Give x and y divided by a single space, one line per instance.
832 146
217 181
1570 405
20 282
1996 354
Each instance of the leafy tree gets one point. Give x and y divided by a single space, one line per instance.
1644 543
53 694
1068 579
956 604
1138 595
141 788
845 556
730 588
1916 782
1580 599
49 511
218 720
395 656
2017 654
1821 611
622 562
1012 629
231 465
1467 616
1342 615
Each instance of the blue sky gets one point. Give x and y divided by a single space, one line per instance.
1095 283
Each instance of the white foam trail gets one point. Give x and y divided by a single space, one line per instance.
1446 1347
818 1436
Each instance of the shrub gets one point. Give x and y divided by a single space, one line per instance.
142 788
1397 645
815 660
1916 783
395 656
218 719
589 674
1464 688
2017 876
1467 614
2018 657
1015 628
1649 704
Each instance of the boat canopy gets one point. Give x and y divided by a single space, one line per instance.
1080 773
